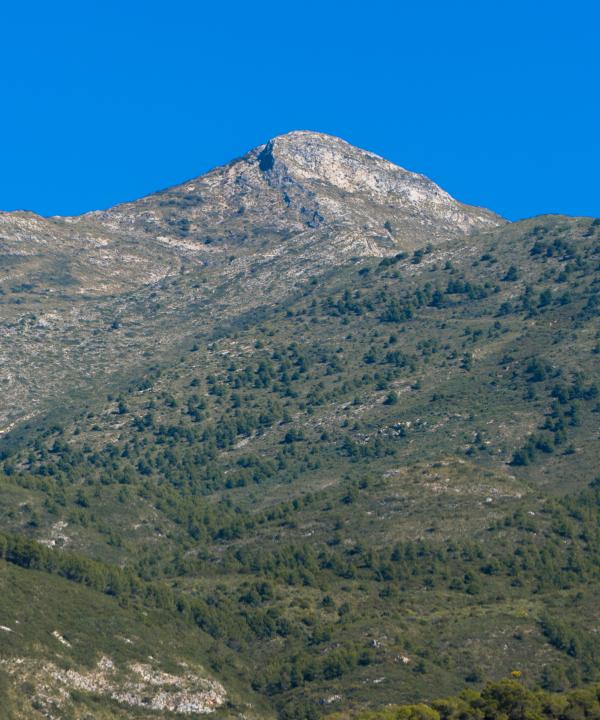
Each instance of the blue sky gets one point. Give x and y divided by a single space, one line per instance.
498 102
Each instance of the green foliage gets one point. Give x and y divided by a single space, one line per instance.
386 477
505 700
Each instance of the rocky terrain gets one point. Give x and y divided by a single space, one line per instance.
141 686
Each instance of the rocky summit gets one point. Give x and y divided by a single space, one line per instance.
300 187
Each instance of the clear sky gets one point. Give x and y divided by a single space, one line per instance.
497 101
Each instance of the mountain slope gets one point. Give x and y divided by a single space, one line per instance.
240 238
342 470
67 651
381 489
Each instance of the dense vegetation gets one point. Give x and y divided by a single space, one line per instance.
378 492
506 699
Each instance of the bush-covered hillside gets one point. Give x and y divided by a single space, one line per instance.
380 491
506 699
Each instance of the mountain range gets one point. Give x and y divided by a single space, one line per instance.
301 436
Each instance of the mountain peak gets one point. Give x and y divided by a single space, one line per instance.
297 143
305 144
317 154
350 181
302 183
304 135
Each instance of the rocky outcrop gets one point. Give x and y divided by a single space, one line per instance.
139 685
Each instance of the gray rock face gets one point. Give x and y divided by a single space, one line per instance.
351 186
105 292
